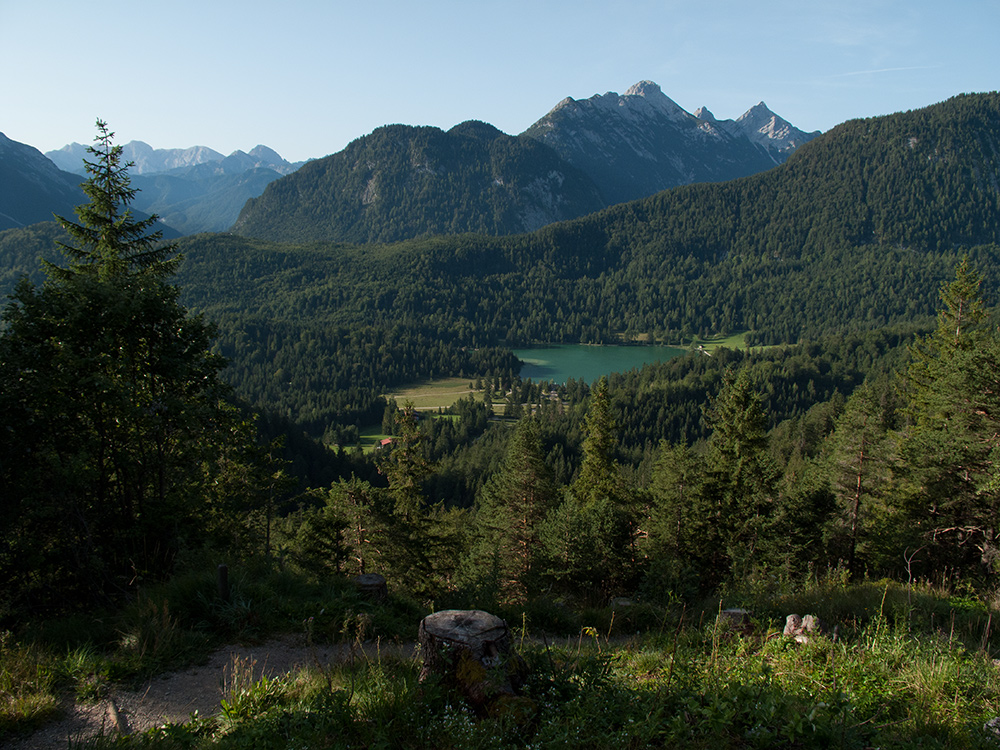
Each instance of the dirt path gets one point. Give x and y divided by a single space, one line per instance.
174 696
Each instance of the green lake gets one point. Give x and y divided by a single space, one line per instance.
587 362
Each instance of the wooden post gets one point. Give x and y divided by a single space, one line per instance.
222 579
372 586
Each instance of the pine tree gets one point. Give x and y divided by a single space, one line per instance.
511 506
599 476
676 524
740 486
112 404
859 455
951 446
108 240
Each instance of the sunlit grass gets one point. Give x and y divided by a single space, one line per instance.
897 666
435 394
27 685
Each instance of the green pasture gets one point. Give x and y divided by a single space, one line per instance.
434 394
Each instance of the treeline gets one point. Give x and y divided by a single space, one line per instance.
660 403
848 236
893 472
319 338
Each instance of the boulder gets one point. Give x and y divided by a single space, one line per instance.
802 628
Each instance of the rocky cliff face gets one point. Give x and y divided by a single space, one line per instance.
638 143
776 135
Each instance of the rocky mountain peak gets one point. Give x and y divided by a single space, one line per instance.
652 94
644 88
760 118
266 155
640 142
761 126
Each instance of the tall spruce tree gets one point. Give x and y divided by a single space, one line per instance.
599 476
950 448
511 507
111 397
108 240
859 456
590 538
740 488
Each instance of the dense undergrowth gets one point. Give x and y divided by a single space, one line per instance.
898 666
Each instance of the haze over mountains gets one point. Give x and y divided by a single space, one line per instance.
578 158
194 189
32 188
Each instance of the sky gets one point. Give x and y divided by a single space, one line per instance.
306 77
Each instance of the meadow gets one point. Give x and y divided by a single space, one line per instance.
897 666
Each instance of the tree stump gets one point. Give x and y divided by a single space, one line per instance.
735 621
470 651
372 586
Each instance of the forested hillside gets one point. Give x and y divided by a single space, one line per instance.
855 438
401 182
853 233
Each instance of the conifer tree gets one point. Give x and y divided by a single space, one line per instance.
860 455
112 404
675 525
511 507
599 475
109 241
741 479
950 448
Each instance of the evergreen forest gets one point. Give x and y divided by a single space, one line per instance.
172 407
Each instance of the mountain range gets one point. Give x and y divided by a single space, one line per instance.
32 188
856 231
193 189
642 142
403 181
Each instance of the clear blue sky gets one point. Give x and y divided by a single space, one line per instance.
306 77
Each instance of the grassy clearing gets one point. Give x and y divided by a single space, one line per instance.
710 343
369 437
730 341
435 394
905 667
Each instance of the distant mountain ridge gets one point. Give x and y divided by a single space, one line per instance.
148 160
194 189
580 157
642 142
623 147
403 181
32 188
